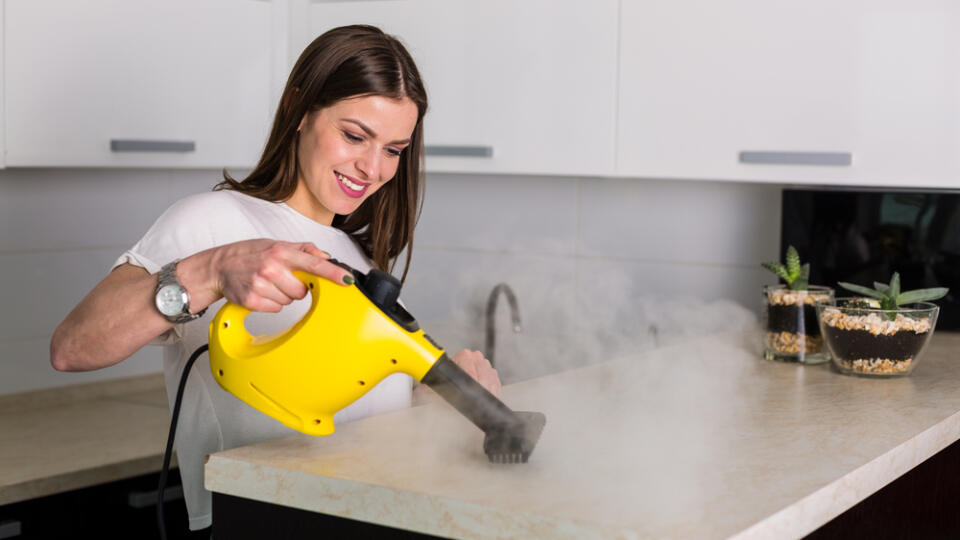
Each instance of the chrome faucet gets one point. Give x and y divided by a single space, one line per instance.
491 312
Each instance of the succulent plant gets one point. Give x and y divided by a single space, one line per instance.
796 275
891 297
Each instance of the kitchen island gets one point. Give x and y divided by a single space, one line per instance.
699 440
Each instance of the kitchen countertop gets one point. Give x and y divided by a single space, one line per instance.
75 437
703 439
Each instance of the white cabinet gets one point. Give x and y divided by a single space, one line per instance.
908 93
814 91
121 83
532 82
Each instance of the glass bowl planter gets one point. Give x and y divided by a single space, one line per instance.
867 341
791 332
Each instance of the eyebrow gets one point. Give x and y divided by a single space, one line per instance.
370 132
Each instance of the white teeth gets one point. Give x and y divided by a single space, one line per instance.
348 183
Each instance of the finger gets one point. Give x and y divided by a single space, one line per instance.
465 360
334 273
498 384
493 386
491 381
487 375
320 266
253 301
311 248
277 282
272 295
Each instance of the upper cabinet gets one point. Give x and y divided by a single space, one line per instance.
114 83
523 87
908 93
812 91
860 92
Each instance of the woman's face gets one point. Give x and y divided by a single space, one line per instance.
348 151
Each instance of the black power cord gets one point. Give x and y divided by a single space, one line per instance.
161 523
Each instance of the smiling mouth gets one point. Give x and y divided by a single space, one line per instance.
351 187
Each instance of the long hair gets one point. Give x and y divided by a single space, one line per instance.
347 62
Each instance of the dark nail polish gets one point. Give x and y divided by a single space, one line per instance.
348 279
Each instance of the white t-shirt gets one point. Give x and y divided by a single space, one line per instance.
211 419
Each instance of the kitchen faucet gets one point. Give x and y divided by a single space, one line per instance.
491 311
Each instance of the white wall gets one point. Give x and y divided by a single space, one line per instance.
60 232
591 260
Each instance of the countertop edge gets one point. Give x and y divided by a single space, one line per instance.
70 481
387 506
820 507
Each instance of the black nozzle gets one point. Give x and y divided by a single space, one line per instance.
382 289
510 436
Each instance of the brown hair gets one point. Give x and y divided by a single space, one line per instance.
342 63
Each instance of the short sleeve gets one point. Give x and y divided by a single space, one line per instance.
182 230
188 226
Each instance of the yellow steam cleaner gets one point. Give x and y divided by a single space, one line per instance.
351 338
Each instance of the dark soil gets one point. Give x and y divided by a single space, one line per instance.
860 344
787 318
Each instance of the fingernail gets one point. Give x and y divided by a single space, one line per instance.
348 279
325 254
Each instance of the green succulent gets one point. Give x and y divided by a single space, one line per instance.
891 297
796 275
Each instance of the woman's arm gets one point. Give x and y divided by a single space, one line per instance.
110 323
118 316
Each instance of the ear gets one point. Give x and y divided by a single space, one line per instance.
303 122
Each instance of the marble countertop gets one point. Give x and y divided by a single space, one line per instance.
703 439
65 439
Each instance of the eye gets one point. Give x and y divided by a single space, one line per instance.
351 137
394 151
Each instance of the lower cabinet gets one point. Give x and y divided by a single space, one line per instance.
920 504
123 509
239 518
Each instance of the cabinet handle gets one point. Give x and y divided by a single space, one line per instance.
9 529
840 159
143 499
133 145
458 151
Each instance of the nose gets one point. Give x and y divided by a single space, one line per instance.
369 163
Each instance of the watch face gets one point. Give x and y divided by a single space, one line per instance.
171 300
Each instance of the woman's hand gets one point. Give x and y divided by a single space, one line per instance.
478 367
257 274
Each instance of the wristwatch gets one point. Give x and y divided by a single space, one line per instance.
171 297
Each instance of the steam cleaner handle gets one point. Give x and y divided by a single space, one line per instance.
467 395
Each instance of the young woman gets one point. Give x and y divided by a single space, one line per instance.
340 176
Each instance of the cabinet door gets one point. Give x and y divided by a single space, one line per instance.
703 82
531 82
862 92
908 93
171 83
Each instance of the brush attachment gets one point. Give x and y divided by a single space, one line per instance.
513 443
510 436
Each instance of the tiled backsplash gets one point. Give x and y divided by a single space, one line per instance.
591 260
599 266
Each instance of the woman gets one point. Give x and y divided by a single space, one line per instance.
339 176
